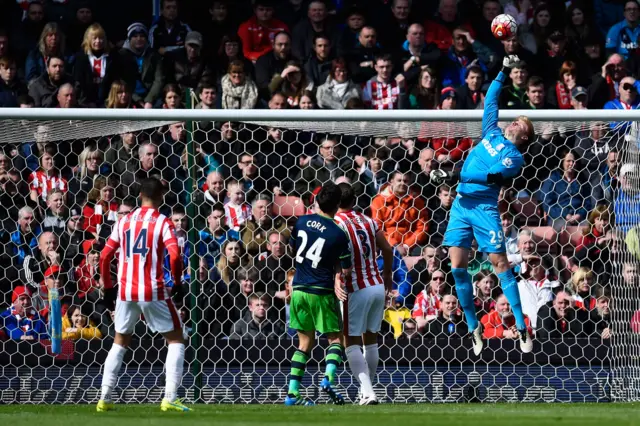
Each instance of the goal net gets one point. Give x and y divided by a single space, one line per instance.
570 222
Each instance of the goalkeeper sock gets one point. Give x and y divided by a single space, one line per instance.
333 359
174 365
360 369
298 365
510 290
464 289
111 369
372 356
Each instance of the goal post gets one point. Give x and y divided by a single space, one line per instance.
585 359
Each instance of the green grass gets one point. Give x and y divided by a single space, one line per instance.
387 415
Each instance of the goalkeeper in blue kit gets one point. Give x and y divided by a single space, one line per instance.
474 214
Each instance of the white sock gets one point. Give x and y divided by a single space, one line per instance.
174 366
359 369
111 369
371 355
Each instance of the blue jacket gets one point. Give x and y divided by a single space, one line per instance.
621 38
616 104
168 278
401 280
209 246
20 248
495 154
15 328
561 198
627 210
454 72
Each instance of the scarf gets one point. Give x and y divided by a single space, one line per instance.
612 88
238 97
340 88
29 317
563 96
98 66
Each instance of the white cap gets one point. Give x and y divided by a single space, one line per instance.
627 168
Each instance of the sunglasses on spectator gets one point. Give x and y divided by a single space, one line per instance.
629 86
438 278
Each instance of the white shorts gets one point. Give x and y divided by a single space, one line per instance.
364 311
161 316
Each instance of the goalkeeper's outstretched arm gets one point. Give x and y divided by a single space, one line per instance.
491 109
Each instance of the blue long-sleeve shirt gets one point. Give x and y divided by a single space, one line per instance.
626 207
25 326
561 197
401 280
494 154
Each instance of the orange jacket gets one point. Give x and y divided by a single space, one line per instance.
403 220
256 39
494 327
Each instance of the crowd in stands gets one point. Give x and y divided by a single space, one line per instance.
61 198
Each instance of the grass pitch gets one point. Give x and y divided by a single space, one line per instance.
383 415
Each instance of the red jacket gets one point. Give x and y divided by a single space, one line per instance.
426 304
494 326
85 276
403 220
589 239
455 148
437 33
256 39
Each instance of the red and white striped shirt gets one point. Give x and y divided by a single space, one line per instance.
237 215
362 236
142 237
379 95
43 183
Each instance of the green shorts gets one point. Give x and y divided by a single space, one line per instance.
315 312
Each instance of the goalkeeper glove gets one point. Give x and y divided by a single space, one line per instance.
438 177
510 61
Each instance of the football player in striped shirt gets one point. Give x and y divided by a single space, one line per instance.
142 237
363 308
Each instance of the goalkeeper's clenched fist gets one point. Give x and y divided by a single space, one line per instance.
439 177
510 61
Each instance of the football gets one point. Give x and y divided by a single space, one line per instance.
504 27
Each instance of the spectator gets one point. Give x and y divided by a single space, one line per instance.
512 46
535 38
500 323
338 89
464 50
605 85
448 322
172 97
291 82
361 58
168 33
120 96
440 30
622 37
207 93
93 71
430 262
560 95
254 232
27 33
417 54
47 254
373 173
317 22
10 85
146 164
470 94
258 34
308 100
44 88
77 326
401 292
120 155
147 79
582 281
606 181
24 239
515 95
580 26
255 324
53 220
348 36
21 321
627 99
396 25
220 25
186 65
240 291
579 98
89 162
426 93
82 20
396 315
213 238
248 176
440 215
101 206
51 43
536 94
385 91
558 319
318 65
273 62
232 258
278 101
627 199
429 302
212 193
599 319
291 11
238 90
87 277
400 214
593 251
481 24
536 288
553 58
46 177
486 293
448 99
237 211
274 265
566 194
231 50
66 96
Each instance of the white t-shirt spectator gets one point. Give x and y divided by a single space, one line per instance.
534 294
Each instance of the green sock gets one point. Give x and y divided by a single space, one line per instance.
333 360
298 365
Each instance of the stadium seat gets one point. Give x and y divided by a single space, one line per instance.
287 206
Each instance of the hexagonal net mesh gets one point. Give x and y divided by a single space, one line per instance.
570 221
